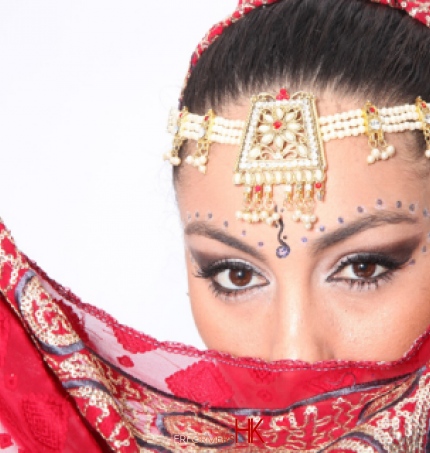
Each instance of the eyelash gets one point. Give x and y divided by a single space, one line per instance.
212 270
392 265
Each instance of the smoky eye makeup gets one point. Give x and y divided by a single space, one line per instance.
228 277
367 269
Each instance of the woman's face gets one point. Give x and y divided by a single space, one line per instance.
356 287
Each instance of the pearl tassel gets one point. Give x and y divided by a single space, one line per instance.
174 160
307 219
203 133
257 217
198 162
376 154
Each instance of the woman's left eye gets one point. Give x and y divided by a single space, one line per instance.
360 271
365 270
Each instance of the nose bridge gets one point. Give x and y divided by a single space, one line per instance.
299 332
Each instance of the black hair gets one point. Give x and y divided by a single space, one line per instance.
354 47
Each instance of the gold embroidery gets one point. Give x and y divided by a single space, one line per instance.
45 318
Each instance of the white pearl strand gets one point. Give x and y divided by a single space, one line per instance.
347 124
352 123
223 131
342 125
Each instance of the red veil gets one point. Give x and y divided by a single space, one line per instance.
74 380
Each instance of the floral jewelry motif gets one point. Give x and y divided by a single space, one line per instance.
424 114
282 145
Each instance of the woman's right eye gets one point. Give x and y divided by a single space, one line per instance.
238 279
232 277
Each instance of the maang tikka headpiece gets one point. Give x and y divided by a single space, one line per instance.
282 142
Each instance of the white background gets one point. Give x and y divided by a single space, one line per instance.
85 89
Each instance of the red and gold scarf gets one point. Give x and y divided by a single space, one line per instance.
74 380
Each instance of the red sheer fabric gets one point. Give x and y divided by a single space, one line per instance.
74 380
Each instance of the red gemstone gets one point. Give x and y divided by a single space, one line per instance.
283 95
424 105
372 110
277 124
258 189
206 118
318 185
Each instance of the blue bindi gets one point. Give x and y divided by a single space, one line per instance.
283 251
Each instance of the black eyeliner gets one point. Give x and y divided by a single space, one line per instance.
371 258
212 269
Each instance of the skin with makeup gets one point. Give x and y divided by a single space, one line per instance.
353 288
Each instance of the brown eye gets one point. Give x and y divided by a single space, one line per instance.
240 277
364 270
236 277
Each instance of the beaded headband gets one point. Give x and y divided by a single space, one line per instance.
282 143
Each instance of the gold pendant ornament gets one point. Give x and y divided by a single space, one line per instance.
281 144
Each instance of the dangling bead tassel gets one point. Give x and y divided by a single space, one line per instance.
288 197
245 214
258 205
178 141
308 218
375 133
423 109
297 202
269 206
320 191
201 157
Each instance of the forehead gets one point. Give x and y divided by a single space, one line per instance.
351 182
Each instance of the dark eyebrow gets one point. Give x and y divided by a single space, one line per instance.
212 232
358 226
